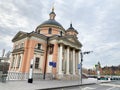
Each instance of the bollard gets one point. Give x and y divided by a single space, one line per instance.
30 80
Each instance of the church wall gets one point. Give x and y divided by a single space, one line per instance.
55 57
71 33
55 31
29 52
15 55
18 43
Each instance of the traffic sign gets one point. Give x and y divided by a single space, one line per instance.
54 64
50 63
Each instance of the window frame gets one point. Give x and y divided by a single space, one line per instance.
50 31
37 61
39 46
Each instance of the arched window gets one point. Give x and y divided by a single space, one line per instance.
50 31
61 33
38 31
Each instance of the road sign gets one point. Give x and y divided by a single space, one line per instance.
50 63
54 64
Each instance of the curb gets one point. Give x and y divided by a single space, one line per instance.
65 86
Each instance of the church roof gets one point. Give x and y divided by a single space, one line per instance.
51 22
72 29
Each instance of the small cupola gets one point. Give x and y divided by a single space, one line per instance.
71 31
71 27
52 14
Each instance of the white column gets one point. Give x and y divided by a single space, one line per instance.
79 61
67 66
20 62
76 62
60 60
73 62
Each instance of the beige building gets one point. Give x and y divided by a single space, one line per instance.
55 51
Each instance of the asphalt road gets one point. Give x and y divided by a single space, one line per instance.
102 86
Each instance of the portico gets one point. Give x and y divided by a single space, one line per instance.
68 58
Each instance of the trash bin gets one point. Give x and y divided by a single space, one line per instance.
3 78
4 67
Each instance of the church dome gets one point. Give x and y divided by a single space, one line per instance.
71 29
51 22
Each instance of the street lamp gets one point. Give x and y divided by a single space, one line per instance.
83 53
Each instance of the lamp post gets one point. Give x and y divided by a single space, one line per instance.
81 54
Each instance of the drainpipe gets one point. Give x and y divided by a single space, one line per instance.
46 59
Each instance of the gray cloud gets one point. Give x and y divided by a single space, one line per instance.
97 22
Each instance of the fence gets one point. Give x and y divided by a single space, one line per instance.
24 76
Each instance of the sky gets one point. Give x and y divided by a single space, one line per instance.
97 21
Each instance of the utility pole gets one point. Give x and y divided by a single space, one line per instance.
81 66
81 54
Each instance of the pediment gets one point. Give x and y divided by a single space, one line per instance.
19 35
73 39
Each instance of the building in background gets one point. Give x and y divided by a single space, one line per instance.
56 51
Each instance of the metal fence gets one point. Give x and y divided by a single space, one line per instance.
17 76
24 76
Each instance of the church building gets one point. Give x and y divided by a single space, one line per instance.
55 51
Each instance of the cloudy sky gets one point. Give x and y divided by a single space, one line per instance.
97 21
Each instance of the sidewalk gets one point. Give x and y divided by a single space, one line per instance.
43 84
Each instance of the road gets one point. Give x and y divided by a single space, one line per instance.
102 86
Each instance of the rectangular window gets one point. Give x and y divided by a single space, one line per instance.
39 46
37 63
